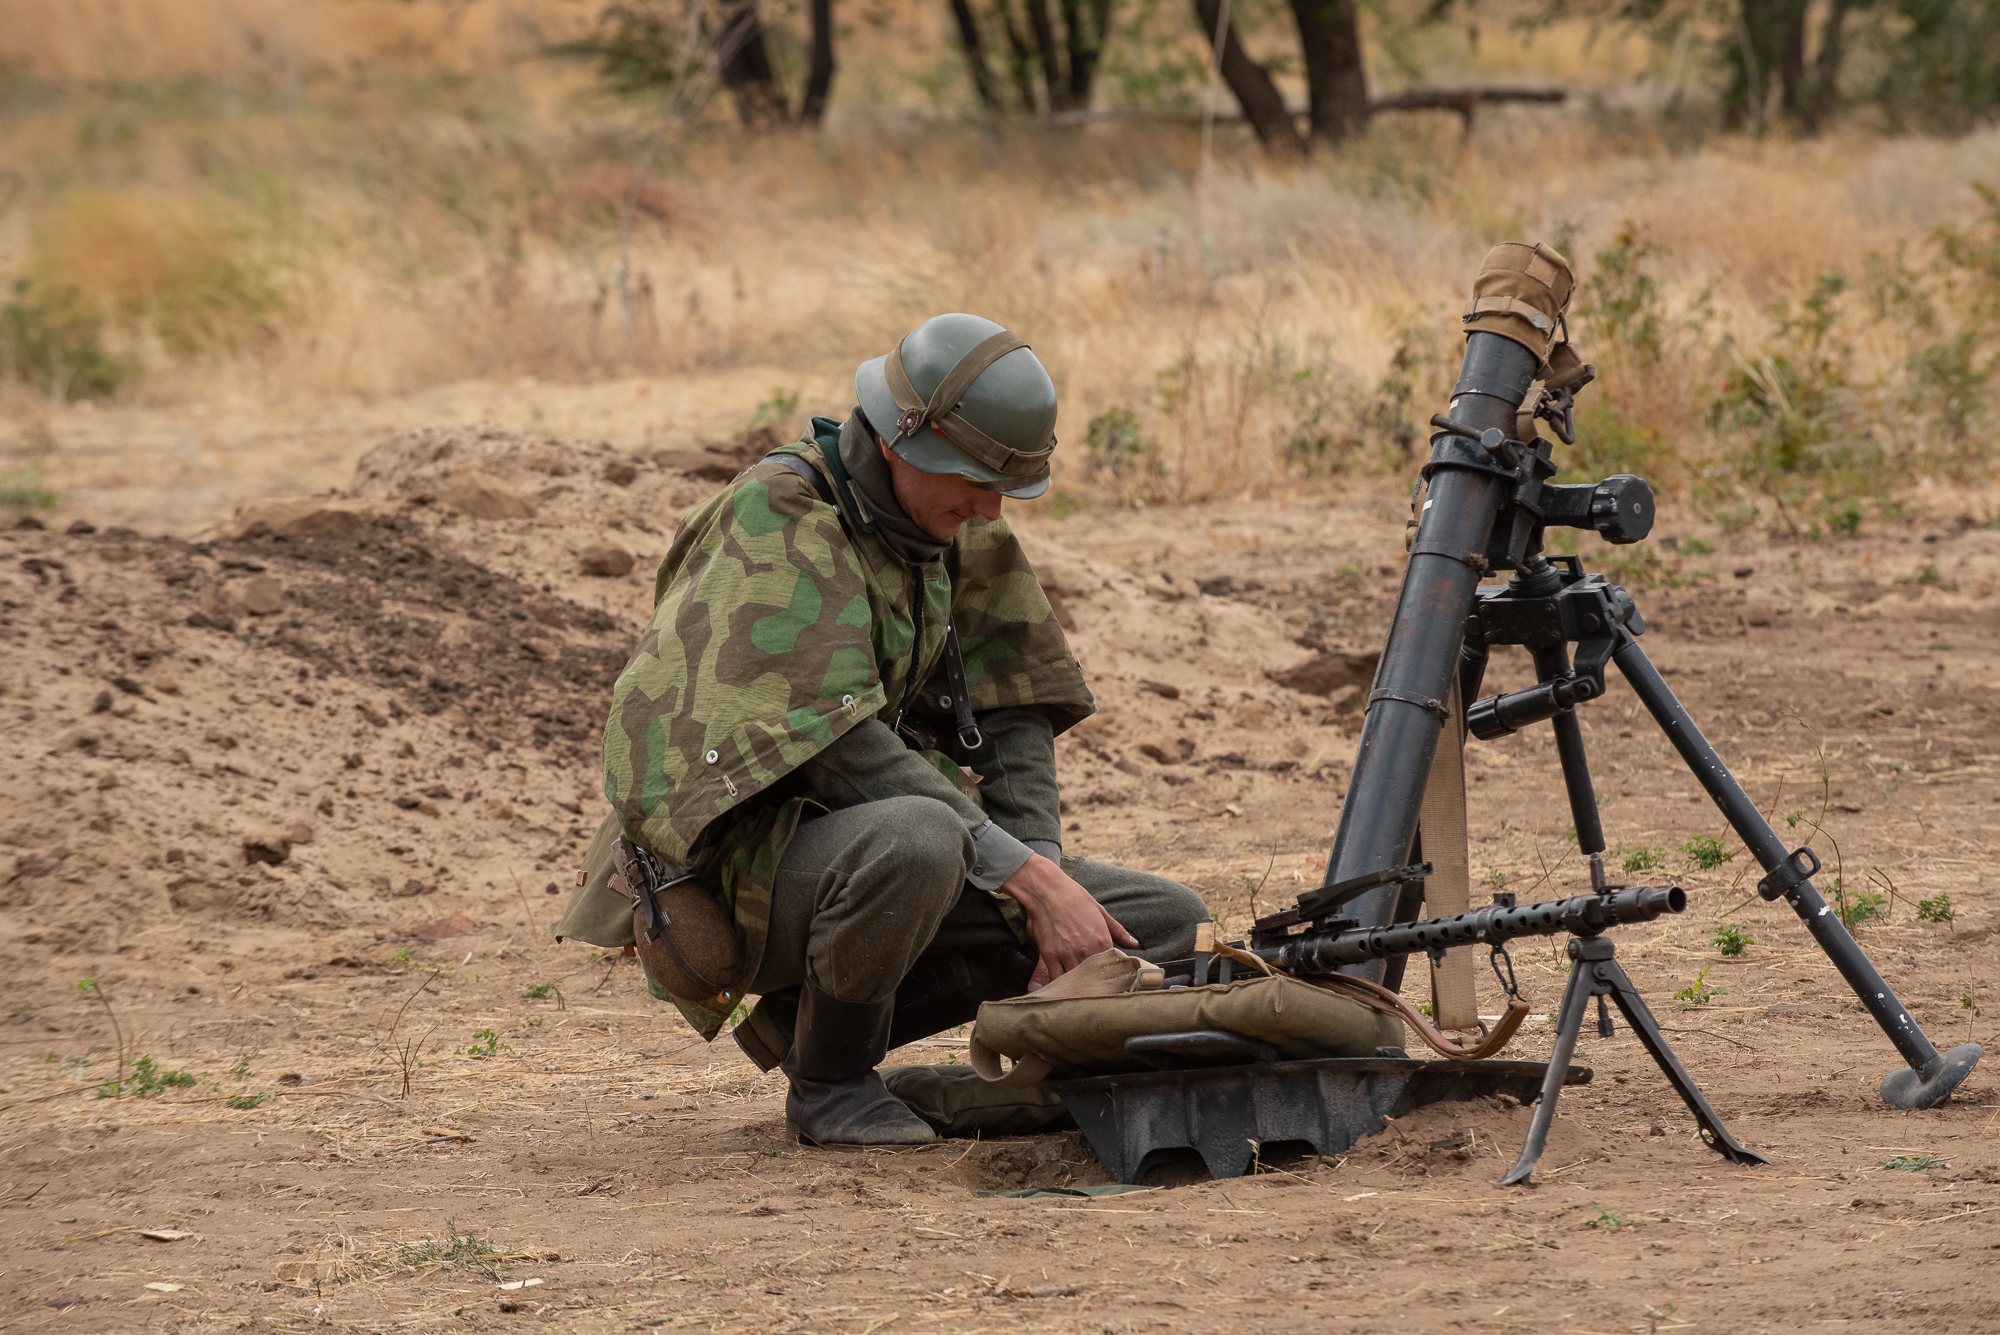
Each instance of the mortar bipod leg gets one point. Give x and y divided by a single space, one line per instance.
1596 955
1576 1000
1929 1076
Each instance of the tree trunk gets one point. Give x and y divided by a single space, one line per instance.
1791 54
1050 54
1262 104
1822 91
1335 79
975 54
819 78
1770 57
1020 58
1087 23
746 67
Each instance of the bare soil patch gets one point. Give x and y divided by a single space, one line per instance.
305 838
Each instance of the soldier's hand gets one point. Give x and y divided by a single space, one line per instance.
1067 925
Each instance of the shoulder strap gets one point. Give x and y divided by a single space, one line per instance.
821 487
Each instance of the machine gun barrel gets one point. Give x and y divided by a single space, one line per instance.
1326 950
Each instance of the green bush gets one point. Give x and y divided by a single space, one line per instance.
1791 393
1937 909
1730 940
53 341
1705 851
1620 302
23 491
146 1080
1863 906
1644 859
1114 445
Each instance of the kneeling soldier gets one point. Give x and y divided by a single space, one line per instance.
836 633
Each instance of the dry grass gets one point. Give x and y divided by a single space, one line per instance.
297 237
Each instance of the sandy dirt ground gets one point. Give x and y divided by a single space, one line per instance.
298 795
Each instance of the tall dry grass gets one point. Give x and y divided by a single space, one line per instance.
1213 328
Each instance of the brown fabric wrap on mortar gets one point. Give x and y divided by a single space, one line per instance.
1521 293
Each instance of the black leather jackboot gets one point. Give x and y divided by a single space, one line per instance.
836 1097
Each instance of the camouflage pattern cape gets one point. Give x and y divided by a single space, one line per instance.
776 628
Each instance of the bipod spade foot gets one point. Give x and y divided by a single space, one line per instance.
1596 973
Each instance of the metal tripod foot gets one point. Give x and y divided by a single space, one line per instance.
1932 1083
1596 973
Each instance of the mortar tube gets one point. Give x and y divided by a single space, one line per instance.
1392 760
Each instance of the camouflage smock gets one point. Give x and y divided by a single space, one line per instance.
776 629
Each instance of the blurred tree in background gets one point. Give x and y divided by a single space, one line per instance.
671 47
1790 64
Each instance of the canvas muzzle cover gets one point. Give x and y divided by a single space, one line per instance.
1521 293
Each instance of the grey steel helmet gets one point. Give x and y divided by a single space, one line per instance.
959 394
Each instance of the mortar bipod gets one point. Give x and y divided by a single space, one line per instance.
1596 973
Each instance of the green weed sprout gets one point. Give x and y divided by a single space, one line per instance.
1730 940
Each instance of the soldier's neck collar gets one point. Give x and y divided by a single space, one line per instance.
868 490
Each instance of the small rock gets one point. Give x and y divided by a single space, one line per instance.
373 715
605 559
268 846
102 704
221 621
176 856
547 651
1166 751
166 686
296 517
129 686
29 521
1164 690
80 528
260 595
299 832
546 611
411 889
352 760
479 495
1744 572
452 924
408 803
619 473
107 783
292 1078
325 807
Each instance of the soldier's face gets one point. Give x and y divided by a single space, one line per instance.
939 503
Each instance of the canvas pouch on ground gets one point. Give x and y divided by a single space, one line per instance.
1079 1024
956 1102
